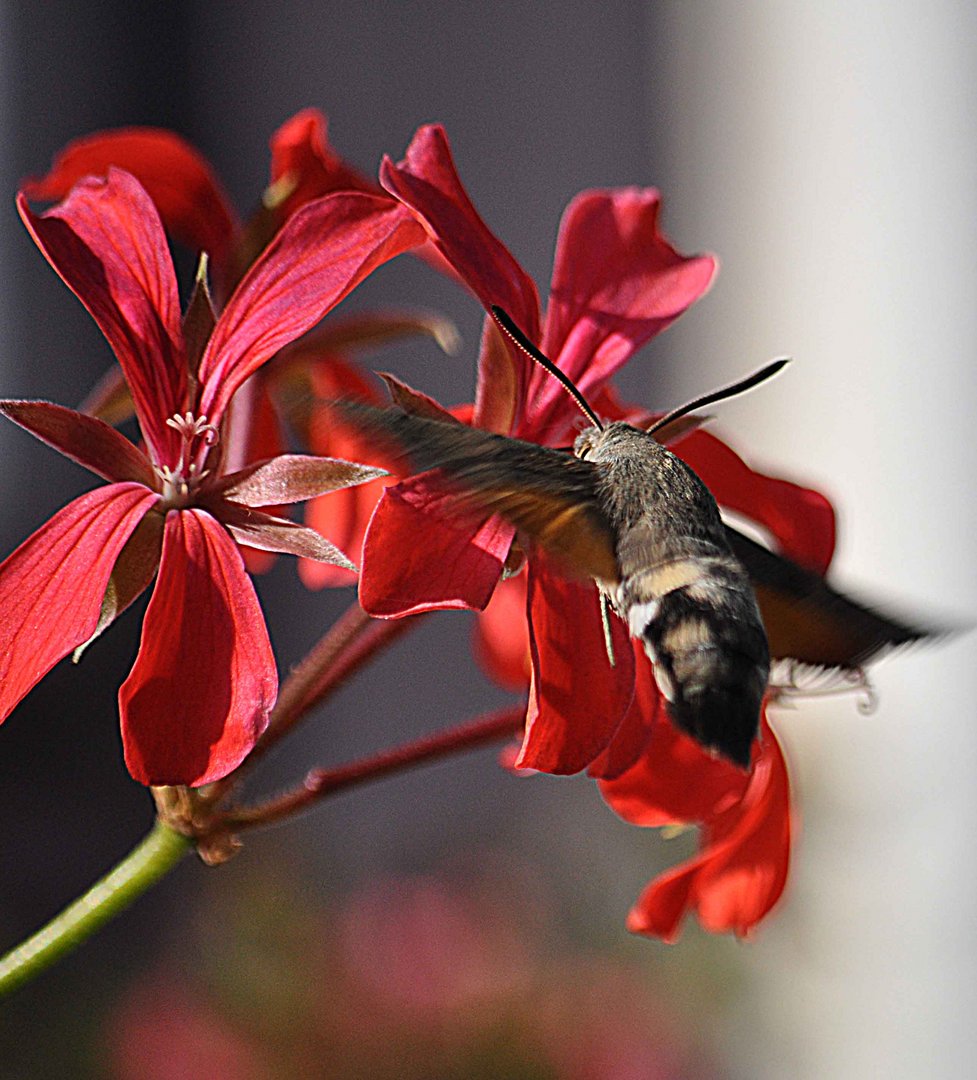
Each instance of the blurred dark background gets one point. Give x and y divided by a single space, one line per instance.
829 160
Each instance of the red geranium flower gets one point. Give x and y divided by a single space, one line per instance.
289 391
204 680
616 283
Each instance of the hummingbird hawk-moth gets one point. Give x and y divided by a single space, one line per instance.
711 606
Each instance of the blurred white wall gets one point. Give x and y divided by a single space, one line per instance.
828 153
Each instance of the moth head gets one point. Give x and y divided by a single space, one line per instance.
597 443
586 442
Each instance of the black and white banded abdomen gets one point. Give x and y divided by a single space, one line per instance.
701 628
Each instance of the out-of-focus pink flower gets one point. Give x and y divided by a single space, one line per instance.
165 1032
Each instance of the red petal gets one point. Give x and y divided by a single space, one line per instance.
132 574
190 201
107 243
801 521
616 283
501 636
51 587
200 691
741 871
301 152
414 560
264 438
84 439
320 255
342 517
646 713
501 384
577 700
428 182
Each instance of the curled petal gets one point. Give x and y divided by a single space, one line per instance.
501 383
301 155
415 558
801 521
198 696
322 252
428 182
745 820
577 699
107 243
190 201
741 869
133 572
616 283
53 585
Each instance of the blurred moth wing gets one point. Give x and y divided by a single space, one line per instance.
546 494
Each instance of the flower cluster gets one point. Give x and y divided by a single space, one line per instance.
218 391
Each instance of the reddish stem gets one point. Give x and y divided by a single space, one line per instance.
358 637
348 644
323 782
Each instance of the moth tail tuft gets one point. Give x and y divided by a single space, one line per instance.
711 662
723 718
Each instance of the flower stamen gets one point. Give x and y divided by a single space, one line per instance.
191 428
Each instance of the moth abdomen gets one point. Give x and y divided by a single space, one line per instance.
708 649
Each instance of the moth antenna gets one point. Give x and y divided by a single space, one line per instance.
732 390
519 339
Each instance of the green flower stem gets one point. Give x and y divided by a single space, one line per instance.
153 858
